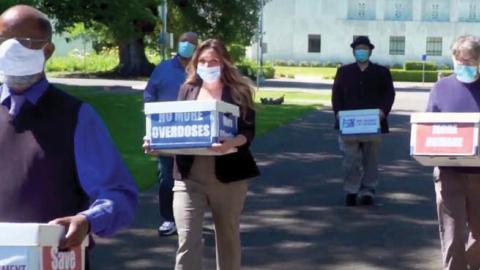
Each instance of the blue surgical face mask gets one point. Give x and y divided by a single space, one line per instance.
186 49
209 74
466 74
361 55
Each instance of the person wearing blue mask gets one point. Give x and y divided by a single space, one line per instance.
362 85
163 85
59 164
457 189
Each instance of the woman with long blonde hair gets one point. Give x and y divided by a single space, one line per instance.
215 182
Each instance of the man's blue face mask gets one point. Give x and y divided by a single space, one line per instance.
465 73
361 55
186 49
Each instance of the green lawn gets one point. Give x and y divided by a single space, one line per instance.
325 72
123 115
296 97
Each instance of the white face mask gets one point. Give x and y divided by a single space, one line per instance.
17 60
209 74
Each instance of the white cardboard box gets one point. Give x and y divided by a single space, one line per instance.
445 139
33 246
359 122
189 127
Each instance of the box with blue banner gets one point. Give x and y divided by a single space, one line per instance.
359 122
189 127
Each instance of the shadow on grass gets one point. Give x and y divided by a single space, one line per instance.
294 216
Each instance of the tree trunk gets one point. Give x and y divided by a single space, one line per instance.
133 61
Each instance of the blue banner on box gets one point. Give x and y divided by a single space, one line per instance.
227 125
184 129
190 129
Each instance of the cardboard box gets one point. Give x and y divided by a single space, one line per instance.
33 246
445 139
189 127
361 125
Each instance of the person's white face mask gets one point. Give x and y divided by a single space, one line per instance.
209 74
17 60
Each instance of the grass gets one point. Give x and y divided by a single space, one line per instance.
324 72
122 113
297 97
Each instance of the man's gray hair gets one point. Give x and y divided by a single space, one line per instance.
467 44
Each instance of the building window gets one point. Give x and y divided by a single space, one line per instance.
397 45
398 10
472 13
314 43
434 46
361 9
435 11
469 11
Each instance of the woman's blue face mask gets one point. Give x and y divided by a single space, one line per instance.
466 73
361 55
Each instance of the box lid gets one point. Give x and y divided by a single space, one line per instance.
190 106
358 112
31 234
436 117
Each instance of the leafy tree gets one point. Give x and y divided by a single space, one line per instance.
126 22
233 21
4 4
130 24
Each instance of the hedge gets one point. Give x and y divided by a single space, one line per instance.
250 70
418 65
416 76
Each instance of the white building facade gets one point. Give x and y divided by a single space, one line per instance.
401 30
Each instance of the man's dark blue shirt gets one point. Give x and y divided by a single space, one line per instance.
165 81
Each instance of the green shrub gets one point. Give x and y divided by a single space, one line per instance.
249 69
246 70
415 75
418 65
291 63
280 63
397 66
445 67
237 52
331 64
304 64
89 62
268 72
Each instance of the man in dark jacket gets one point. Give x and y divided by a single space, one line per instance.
362 85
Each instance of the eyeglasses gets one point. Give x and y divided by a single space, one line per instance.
31 43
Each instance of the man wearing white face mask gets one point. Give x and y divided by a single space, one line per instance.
362 85
164 85
59 164
457 188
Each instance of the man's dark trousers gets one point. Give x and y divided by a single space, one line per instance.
165 193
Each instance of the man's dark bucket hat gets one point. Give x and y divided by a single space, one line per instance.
362 40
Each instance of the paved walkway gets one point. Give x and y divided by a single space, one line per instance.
294 216
301 82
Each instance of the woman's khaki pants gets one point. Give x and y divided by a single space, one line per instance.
191 198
